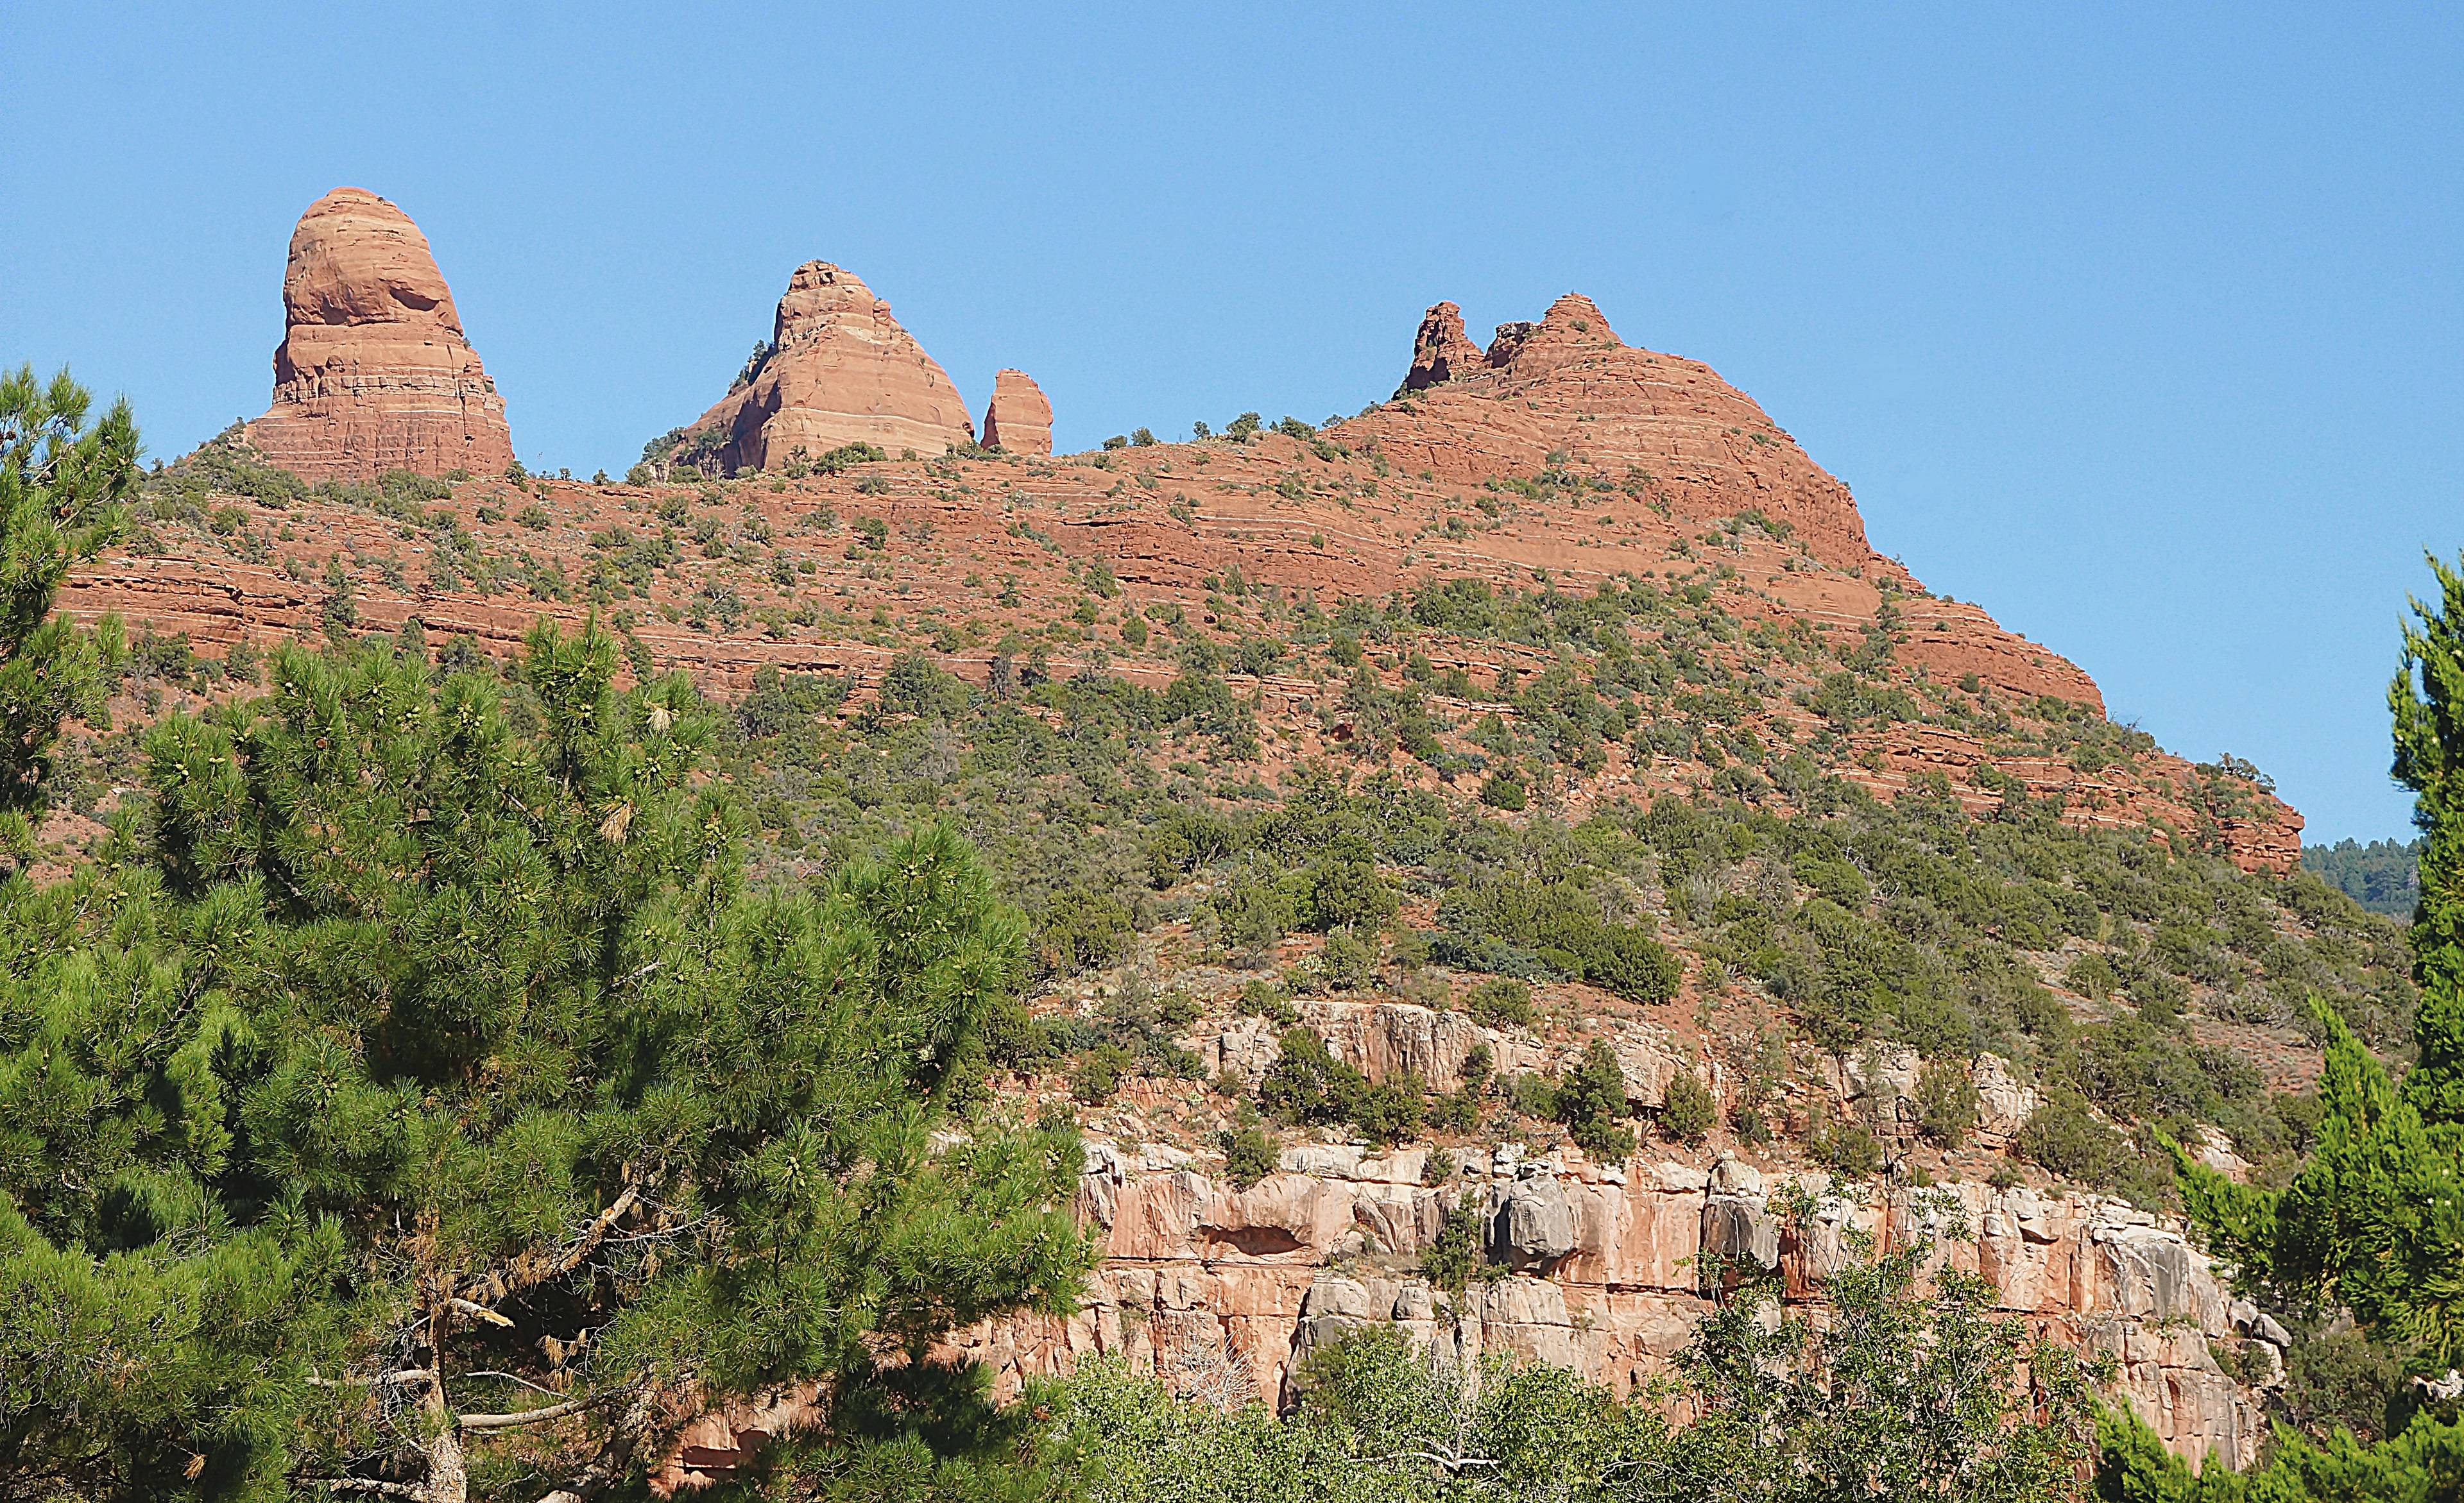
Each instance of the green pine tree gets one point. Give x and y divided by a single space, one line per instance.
416 1104
62 479
2427 700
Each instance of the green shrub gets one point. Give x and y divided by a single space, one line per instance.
1306 1084
1848 1150
1500 1002
1476 1065
1946 1102
1080 930
1833 878
2093 976
1249 1156
2341 1378
1391 1111
1098 1075
1504 791
847 455
1690 1109
2064 1135
1251 913
1348 963
1345 891
1589 1100
1533 1094
1460 1256
1622 959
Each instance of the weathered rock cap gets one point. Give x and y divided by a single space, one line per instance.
374 372
838 370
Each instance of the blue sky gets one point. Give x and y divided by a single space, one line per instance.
2142 330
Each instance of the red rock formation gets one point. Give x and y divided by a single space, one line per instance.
1669 428
1225 1291
1657 469
840 371
373 372
1440 352
1018 418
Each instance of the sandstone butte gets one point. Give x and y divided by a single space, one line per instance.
838 370
374 373
1560 453
1018 418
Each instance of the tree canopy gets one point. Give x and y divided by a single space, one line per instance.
418 1102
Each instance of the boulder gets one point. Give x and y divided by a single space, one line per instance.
373 372
1018 418
1534 1225
838 370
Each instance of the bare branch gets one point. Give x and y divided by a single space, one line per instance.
525 1275
1450 1465
517 1378
506 1422
399 1489
403 1377
477 1312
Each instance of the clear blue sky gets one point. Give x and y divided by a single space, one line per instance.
2143 331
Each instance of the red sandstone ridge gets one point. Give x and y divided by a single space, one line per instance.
1018 418
1566 395
840 370
1567 385
373 372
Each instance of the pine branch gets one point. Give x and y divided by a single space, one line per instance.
615 1458
523 1275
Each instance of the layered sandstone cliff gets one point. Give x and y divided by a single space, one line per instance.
1224 1290
1018 418
838 370
374 372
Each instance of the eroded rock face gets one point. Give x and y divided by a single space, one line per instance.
374 372
1018 418
840 371
1225 1291
1440 352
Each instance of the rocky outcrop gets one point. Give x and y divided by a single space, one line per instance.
1018 418
1440 352
1567 385
838 370
1224 1290
1381 1039
374 372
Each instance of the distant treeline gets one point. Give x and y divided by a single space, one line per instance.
2382 876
